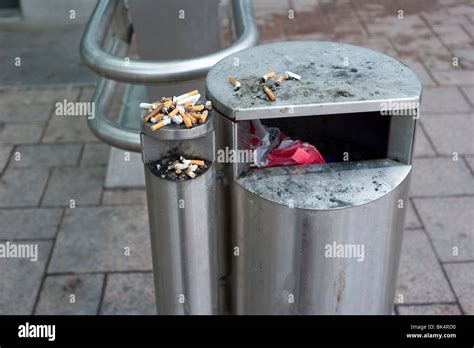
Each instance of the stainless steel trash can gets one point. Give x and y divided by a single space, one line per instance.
182 219
325 238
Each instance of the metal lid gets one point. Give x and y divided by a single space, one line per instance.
336 78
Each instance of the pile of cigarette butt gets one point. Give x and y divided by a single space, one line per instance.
267 82
181 110
178 168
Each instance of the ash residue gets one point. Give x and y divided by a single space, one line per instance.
163 168
251 90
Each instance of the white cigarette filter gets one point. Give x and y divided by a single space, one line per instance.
181 166
193 99
147 106
208 105
186 95
193 167
177 119
292 76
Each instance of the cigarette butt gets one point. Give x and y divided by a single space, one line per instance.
195 115
278 80
187 121
193 167
168 103
153 113
160 124
234 83
203 116
187 104
174 112
191 99
292 76
200 163
197 107
177 119
157 118
208 105
189 173
147 118
180 166
189 94
178 171
192 118
181 111
147 106
269 93
268 75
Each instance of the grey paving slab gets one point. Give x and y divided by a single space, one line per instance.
96 238
470 162
435 309
420 278
422 145
129 294
21 280
442 100
454 77
124 196
40 95
67 129
450 224
50 56
451 133
87 94
440 176
95 154
29 223
22 187
83 184
15 133
5 152
461 276
411 220
469 92
32 113
45 155
70 295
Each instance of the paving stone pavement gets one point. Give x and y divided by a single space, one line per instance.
47 159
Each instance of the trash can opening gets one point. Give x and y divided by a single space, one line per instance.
179 168
339 138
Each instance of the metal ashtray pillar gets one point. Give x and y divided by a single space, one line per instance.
318 238
182 219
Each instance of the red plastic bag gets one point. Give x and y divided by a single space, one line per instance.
297 153
274 148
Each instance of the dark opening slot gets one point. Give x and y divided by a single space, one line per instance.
363 136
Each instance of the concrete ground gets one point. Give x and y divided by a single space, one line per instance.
52 171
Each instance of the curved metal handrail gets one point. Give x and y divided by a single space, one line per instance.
148 71
113 67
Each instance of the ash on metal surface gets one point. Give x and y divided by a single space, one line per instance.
168 168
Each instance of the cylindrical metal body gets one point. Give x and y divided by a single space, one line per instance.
184 243
282 266
182 216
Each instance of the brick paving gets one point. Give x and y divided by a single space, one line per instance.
98 250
